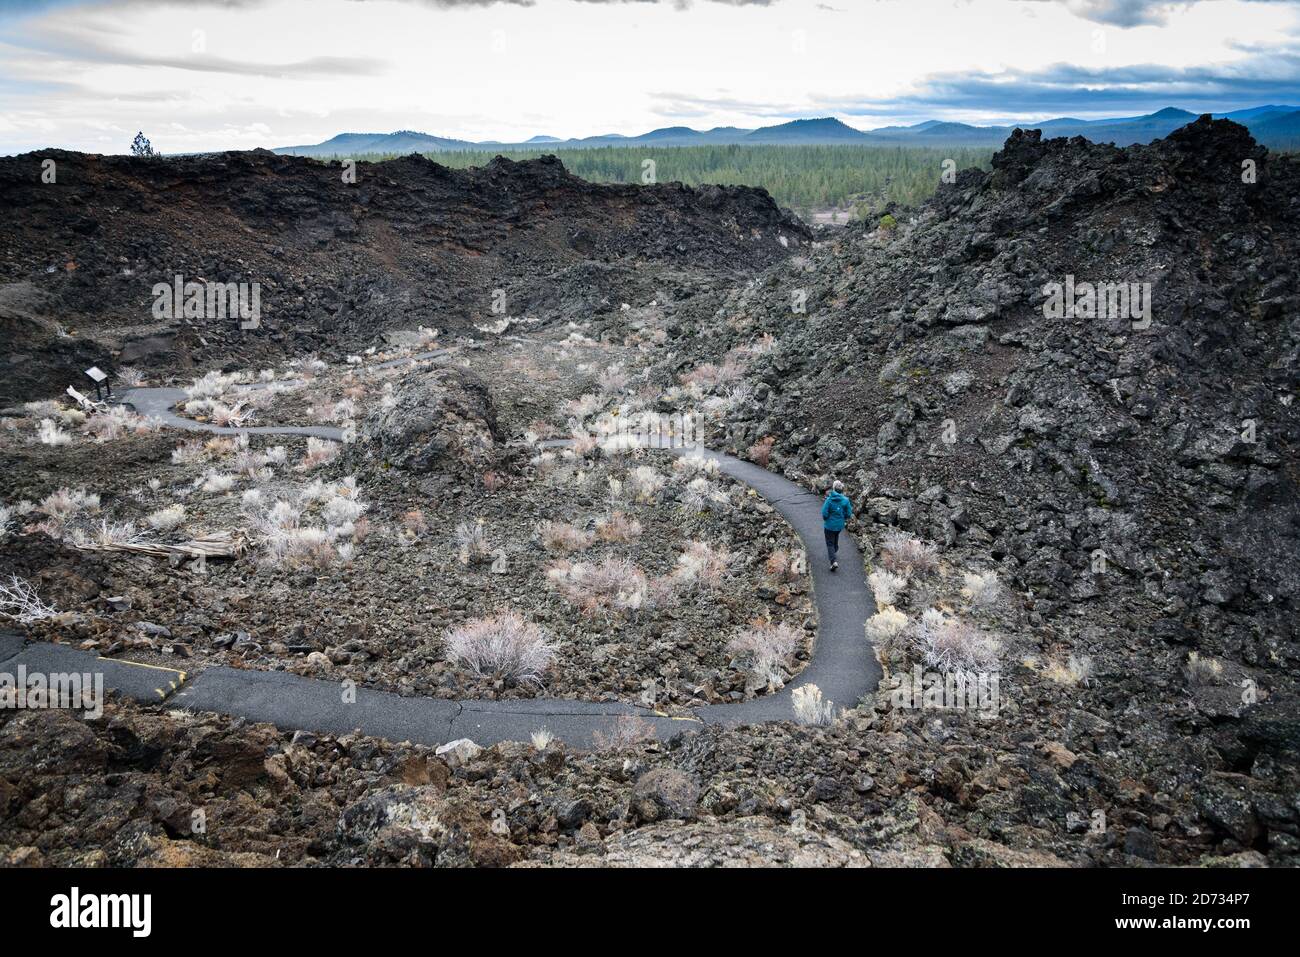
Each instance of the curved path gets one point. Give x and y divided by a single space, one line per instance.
843 666
161 404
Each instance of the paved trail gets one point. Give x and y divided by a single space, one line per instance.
843 666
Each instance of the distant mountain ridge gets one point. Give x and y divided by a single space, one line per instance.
1274 126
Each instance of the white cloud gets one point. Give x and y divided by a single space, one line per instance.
280 72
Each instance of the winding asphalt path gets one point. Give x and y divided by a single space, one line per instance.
161 404
843 665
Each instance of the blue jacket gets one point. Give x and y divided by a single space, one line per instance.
836 511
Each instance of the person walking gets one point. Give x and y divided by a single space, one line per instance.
836 511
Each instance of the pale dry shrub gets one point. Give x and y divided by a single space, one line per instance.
981 589
220 446
319 452
20 602
298 548
625 731
189 453
612 586
503 646
1203 671
249 463
545 463
950 644
562 537
618 526
48 433
282 516
65 504
700 494
620 443
760 453
644 482
1072 671
583 408
131 377
708 375
113 424
695 464
216 483
701 565
907 554
541 739
886 586
288 544
583 443
211 385
43 408
886 630
885 626
612 380
107 533
342 510
783 568
768 647
167 519
471 537
228 416
339 411
313 491
809 708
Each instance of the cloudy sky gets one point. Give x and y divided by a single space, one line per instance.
233 74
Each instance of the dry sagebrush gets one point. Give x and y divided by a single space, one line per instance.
981 589
767 647
810 708
1073 671
886 586
908 555
503 646
611 586
885 630
471 537
618 527
562 537
700 566
950 644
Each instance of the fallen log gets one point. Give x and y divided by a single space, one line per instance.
216 545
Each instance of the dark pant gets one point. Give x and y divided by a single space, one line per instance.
832 544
